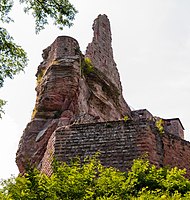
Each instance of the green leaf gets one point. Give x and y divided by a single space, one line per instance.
5 7
2 103
62 12
13 58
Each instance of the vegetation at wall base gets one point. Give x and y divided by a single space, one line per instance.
90 180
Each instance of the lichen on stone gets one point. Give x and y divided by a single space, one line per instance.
40 76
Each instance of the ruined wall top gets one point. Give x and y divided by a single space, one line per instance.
64 46
100 50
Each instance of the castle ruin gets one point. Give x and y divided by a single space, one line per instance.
80 110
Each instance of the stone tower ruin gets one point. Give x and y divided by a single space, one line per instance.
80 110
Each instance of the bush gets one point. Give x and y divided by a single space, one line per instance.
91 180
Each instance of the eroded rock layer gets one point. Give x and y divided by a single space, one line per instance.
72 88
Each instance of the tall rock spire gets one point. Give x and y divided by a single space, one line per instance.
72 88
100 50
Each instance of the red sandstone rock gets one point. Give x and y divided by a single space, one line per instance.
100 50
68 94
78 107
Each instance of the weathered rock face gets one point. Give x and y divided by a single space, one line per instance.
72 88
105 82
100 50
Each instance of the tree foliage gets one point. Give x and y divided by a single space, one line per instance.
5 7
13 58
91 180
62 12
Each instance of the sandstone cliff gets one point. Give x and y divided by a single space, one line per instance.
72 88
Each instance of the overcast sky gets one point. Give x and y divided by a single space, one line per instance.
151 43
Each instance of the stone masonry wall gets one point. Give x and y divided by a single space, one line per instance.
100 50
119 143
46 163
176 152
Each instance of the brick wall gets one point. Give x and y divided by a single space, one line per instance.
119 143
48 156
116 141
176 152
174 126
